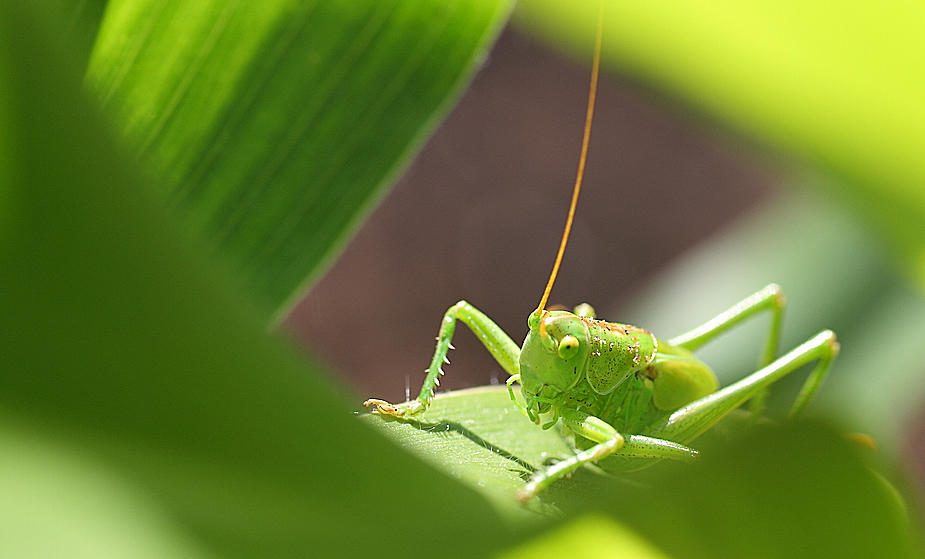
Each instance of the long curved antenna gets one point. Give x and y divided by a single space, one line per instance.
592 96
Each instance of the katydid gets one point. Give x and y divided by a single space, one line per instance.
622 392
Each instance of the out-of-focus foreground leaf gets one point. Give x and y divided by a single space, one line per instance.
839 84
81 23
143 406
277 124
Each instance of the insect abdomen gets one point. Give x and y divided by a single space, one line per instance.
680 378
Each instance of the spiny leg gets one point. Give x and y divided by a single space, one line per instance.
504 350
771 298
693 419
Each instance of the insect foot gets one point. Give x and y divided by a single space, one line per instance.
413 407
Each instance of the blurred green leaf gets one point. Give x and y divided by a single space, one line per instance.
838 84
278 124
129 360
796 490
80 23
57 502
587 537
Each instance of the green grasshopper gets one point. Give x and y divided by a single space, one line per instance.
622 392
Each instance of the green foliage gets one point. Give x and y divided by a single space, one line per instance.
131 360
799 490
145 409
277 124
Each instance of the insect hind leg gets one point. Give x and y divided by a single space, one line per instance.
693 419
771 299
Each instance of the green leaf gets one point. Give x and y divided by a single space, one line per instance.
797 490
588 537
80 23
480 438
138 385
57 501
278 124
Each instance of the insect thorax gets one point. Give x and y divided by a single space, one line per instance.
617 351
628 408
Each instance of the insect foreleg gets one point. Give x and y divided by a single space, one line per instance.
693 419
499 344
609 441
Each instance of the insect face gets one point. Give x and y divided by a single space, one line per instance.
553 359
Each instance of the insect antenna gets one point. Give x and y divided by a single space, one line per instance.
592 96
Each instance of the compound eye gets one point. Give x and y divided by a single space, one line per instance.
568 347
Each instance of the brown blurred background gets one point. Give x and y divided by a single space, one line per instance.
479 213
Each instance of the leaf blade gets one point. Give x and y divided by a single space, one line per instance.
277 125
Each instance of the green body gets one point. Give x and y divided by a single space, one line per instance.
619 373
625 394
